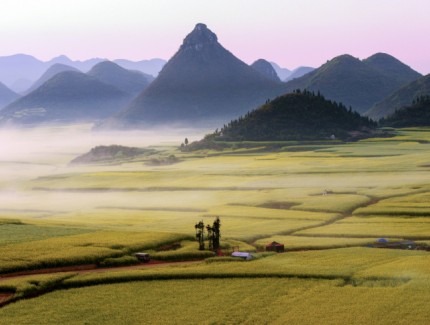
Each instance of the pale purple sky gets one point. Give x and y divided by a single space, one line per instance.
291 33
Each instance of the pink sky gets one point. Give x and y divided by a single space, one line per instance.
291 33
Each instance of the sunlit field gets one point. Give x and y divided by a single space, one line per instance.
326 204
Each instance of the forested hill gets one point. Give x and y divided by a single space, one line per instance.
417 114
301 115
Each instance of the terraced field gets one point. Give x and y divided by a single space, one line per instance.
325 203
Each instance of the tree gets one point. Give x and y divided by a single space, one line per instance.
200 234
216 234
186 141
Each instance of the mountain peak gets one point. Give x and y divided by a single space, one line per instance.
199 37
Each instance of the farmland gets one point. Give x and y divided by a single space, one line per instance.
325 203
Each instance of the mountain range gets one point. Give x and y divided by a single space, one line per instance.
68 96
20 71
202 83
52 71
355 83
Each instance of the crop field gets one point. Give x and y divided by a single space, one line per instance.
361 284
325 203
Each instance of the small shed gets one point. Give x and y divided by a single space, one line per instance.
275 247
243 255
143 257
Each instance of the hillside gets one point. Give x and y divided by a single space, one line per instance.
266 69
400 98
417 114
6 95
283 73
392 68
358 84
296 116
68 96
299 72
52 71
131 82
202 82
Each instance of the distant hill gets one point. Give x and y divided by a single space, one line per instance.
6 95
297 116
152 66
52 71
400 98
299 72
417 114
109 154
82 66
266 69
131 82
20 67
20 71
68 96
356 83
283 73
202 82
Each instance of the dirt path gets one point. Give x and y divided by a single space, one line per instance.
91 268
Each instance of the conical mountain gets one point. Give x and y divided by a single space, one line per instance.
131 82
400 98
6 95
52 71
202 82
266 69
68 96
355 83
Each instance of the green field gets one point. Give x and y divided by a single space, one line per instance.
326 203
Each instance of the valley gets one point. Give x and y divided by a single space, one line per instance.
325 204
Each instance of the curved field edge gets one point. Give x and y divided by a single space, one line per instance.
362 267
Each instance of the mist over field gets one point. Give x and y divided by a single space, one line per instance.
30 153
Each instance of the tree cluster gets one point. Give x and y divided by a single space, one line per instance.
302 115
213 234
417 114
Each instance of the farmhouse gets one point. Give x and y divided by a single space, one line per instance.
243 255
275 247
143 257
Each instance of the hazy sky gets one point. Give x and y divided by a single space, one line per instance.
289 32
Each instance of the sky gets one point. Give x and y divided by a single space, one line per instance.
291 33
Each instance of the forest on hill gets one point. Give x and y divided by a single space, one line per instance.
301 115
